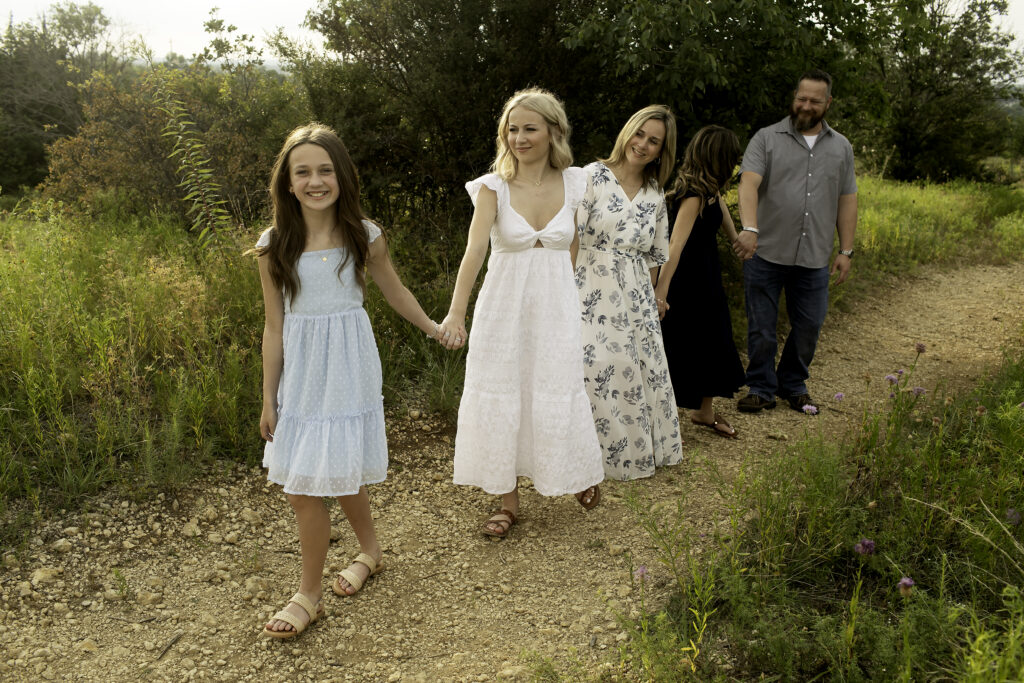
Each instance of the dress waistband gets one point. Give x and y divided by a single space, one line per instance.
630 254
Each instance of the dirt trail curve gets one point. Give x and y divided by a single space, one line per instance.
177 589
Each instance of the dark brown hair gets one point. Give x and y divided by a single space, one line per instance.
708 163
288 238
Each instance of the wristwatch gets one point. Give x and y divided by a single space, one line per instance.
848 253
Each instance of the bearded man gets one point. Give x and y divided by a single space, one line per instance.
797 189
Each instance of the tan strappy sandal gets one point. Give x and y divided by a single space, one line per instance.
353 578
314 612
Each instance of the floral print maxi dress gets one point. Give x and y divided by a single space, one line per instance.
626 372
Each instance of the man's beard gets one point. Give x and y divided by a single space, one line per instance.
808 122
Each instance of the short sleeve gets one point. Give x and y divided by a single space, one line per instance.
491 180
585 206
755 157
372 231
848 181
575 186
264 240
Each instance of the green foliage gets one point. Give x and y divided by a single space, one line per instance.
40 67
927 81
696 56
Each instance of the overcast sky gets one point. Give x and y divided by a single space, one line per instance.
178 24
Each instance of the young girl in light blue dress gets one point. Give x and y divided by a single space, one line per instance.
323 414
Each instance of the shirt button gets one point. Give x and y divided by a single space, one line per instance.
807 214
808 174
812 154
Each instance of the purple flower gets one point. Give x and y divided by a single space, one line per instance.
920 347
900 372
892 379
1021 404
918 391
906 586
892 394
840 396
864 546
810 410
641 573
1012 516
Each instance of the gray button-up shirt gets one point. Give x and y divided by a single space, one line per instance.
798 200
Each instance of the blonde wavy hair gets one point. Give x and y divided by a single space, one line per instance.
657 172
550 108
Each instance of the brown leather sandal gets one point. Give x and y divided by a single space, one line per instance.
506 518
595 497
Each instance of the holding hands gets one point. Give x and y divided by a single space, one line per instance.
450 334
745 245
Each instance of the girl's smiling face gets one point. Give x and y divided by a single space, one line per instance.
646 144
312 178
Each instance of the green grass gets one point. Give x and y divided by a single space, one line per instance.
130 356
933 482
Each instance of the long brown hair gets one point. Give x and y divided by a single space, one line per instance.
708 163
657 172
288 238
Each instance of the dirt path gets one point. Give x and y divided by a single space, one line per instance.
100 596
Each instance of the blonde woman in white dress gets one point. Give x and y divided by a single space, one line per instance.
524 411
623 225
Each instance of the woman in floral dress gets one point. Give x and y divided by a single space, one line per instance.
623 226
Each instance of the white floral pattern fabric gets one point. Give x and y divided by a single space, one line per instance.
626 372
524 411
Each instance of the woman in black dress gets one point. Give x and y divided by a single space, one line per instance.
695 323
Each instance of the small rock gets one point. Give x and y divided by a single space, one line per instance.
11 561
251 516
190 530
210 514
621 637
127 545
614 549
415 414
214 537
148 598
24 589
511 673
112 595
505 588
187 664
231 537
71 531
155 582
45 575
60 608
87 645
623 591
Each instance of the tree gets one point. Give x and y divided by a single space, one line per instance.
930 86
40 67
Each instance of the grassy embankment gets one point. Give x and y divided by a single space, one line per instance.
129 357
897 554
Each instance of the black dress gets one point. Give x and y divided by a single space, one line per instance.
702 357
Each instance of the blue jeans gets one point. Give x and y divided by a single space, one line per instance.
806 303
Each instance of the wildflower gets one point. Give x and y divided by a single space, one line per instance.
949 401
1021 405
892 394
864 546
918 391
641 573
1012 516
906 586
936 421
840 396
981 410
810 410
892 379
900 372
920 347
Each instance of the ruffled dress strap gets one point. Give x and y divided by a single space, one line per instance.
576 180
373 231
490 180
264 239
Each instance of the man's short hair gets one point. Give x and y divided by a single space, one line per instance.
817 75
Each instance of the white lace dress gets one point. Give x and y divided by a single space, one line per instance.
524 411
623 352
329 438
